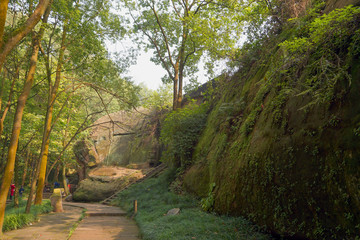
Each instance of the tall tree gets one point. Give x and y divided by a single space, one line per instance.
53 88
180 31
14 140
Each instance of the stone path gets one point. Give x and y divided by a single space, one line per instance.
101 223
104 222
53 226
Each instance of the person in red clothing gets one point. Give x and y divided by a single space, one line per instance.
12 190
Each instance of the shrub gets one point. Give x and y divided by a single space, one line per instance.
180 133
16 218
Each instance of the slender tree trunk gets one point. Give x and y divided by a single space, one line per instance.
182 60
32 169
32 186
9 169
176 81
47 128
56 174
64 179
16 182
67 190
2 90
48 171
3 162
179 98
3 12
181 71
25 166
8 105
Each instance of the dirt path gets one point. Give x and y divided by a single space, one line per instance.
101 223
53 226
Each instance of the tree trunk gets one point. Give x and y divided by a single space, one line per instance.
32 169
48 171
56 174
3 162
179 98
176 80
182 60
8 105
64 179
14 140
67 190
2 91
47 128
16 182
36 46
25 167
32 186
3 12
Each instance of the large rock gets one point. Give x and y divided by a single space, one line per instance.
132 140
174 211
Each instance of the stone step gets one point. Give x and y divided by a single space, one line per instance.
104 214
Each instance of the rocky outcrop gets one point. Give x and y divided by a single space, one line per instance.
126 137
278 154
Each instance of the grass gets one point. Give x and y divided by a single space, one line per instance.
17 218
154 200
73 228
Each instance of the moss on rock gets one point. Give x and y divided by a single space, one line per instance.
285 159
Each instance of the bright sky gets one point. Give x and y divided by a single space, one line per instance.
145 71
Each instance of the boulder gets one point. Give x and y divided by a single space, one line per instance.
174 211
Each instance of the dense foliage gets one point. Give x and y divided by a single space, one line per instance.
180 132
320 53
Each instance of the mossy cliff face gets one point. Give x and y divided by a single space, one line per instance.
287 165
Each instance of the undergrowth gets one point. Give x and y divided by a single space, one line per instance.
16 218
154 200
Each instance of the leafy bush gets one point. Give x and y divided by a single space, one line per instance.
180 133
16 218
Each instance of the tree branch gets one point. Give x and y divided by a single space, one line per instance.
28 26
164 35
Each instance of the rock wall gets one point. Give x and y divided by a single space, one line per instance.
291 167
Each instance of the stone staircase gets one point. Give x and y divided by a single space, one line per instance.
154 172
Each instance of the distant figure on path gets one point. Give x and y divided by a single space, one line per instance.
12 190
56 185
21 190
